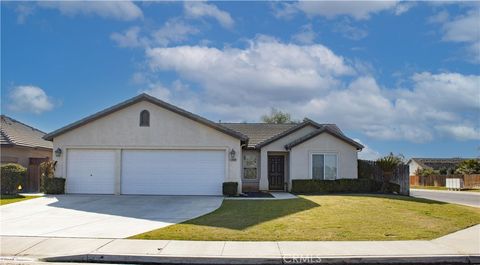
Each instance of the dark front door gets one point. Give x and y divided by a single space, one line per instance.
276 172
33 174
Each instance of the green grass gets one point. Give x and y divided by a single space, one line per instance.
440 188
7 199
327 217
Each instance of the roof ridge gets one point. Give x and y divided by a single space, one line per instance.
3 116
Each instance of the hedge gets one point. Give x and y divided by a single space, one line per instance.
305 186
12 176
230 188
52 185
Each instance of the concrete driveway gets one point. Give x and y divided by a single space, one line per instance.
100 216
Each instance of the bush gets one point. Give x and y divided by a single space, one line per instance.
305 186
230 188
12 175
52 185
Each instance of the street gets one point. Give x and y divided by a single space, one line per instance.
464 198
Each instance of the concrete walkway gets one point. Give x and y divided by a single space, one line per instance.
462 246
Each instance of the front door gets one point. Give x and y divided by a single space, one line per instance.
276 172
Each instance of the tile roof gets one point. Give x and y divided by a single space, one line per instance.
259 132
439 163
13 132
323 129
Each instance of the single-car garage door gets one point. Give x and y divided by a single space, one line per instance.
90 171
173 172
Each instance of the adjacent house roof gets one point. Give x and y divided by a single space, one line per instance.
153 100
323 129
438 163
262 134
15 133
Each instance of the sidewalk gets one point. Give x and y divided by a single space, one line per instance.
461 247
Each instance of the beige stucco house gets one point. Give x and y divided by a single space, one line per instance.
147 146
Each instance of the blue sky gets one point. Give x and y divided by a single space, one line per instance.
400 77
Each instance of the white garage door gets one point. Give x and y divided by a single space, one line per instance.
173 172
90 171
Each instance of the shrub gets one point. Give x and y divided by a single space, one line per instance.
471 166
52 185
12 176
425 172
230 188
339 185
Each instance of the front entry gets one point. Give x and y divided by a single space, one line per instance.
276 172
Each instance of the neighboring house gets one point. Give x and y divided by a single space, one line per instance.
24 145
147 146
433 163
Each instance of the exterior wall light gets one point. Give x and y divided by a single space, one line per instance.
58 152
233 155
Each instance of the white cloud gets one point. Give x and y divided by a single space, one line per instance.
23 11
120 10
367 152
462 29
359 10
173 31
29 99
461 132
266 68
306 35
350 32
238 84
129 38
197 9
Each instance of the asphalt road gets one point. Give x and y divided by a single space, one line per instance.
463 197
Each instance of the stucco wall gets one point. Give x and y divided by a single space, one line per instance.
167 130
278 146
22 154
346 155
413 166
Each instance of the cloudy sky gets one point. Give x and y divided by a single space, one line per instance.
397 76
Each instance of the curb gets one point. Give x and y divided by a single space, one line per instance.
137 259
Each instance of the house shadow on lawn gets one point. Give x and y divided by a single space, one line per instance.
242 214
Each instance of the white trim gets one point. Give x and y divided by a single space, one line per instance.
310 163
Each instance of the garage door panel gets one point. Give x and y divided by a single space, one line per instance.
173 172
90 171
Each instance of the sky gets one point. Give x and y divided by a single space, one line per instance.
401 77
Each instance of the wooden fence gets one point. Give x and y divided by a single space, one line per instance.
370 169
470 181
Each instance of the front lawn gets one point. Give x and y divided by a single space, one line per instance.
440 188
7 199
324 217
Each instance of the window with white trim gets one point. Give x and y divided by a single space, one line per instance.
324 166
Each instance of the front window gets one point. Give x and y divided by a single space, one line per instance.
324 166
249 166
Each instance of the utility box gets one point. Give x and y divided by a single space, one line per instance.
454 183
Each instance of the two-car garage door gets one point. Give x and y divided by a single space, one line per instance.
153 172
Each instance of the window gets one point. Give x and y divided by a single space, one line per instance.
250 166
145 118
324 166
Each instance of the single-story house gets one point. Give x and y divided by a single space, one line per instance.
147 146
433 163
22 144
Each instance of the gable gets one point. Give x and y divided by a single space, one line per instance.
154 101
167 129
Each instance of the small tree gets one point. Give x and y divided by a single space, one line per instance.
388 164
471 166
424 172
277 116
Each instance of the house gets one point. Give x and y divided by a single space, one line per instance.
24 145
147 146
433 163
